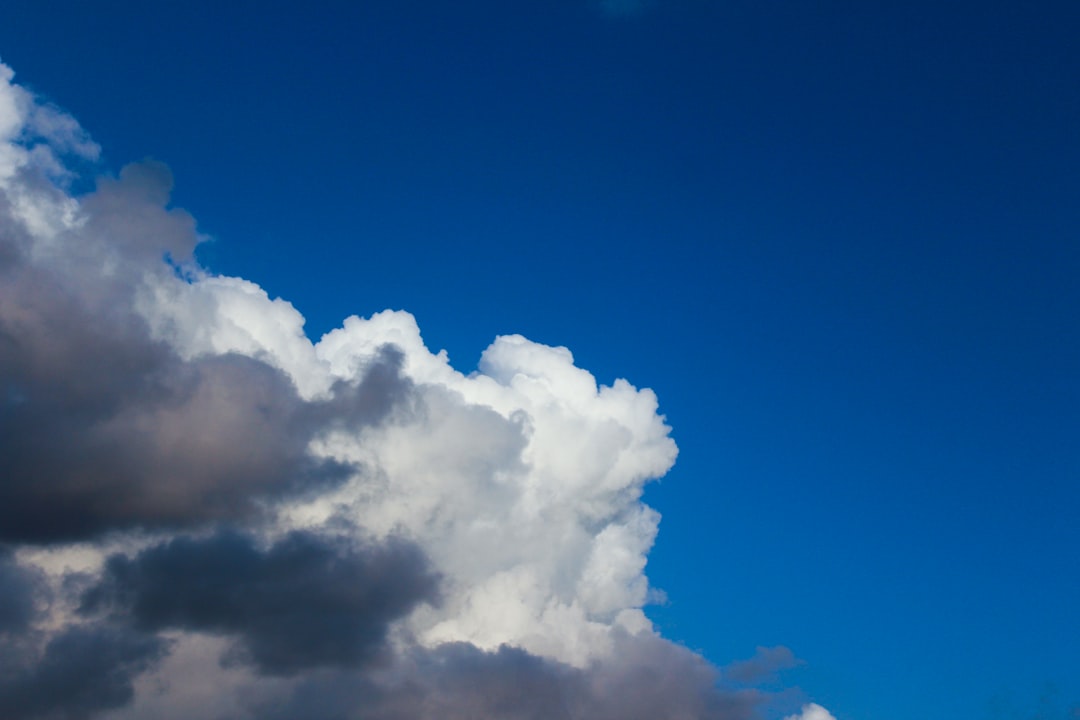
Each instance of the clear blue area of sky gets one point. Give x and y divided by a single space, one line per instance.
841 240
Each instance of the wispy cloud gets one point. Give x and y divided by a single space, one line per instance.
762 667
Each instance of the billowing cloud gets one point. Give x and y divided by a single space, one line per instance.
304 602
206 514
75 670
107 427
82 670
22 590
522 482
812 711
647 678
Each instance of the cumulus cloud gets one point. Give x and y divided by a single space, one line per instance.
522 482
306 601
82 670
73 671
647 679
105 426
206 514
812 711
22 590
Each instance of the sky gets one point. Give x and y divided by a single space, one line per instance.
831 247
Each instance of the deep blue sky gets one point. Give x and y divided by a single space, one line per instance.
839 239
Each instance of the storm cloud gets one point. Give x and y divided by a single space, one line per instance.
302 603
81 670
22 590
70 671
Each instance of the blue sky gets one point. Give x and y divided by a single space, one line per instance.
839 240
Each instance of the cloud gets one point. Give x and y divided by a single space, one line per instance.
646 679
104 426
36 134
304 602
22 590
70 671
83 669
812 711
522 482
762 667
266 526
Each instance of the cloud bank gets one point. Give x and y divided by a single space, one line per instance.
205 514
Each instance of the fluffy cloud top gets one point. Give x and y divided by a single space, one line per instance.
207 514
812 711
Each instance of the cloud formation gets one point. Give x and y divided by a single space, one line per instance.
762 667
22 590
105 426
83 669
647 678
304 602
205 514
812 711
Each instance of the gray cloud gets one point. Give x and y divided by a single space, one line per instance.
22 590
69 673
82 670
305 602
762 667
102 427
647 678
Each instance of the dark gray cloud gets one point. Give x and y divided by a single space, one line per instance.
452 681
105 428
22 591
69 673
305 602
102 427
83 669
645 679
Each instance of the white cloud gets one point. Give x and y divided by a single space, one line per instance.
812 711
34 133
521 481
213 315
